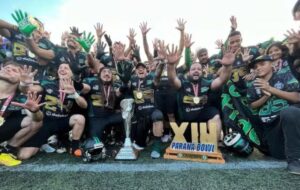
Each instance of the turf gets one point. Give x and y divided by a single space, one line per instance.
192 179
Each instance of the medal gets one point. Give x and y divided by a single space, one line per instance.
139 95
196 100
1 121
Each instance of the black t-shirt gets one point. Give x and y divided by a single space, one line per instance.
271 109
143 92
190 104
99 103
54 108
21 53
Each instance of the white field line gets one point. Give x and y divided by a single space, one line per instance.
121 167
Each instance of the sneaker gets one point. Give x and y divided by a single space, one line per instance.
9 160
47 148
294 167
166 138
61 150
137 147
155 154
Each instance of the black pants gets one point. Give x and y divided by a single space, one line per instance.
283 139
97 125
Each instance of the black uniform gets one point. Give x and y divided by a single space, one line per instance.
101 107
279 132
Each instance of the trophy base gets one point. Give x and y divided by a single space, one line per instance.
126 152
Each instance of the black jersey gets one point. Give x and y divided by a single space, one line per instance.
192 98
143 92
101 98
270 110
54 108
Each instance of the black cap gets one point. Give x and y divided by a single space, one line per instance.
140 64
260 59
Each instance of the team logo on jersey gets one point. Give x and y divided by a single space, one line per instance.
188 89
96 87
49 91
134 84
187 109
279 85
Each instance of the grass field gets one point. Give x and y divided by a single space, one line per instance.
61 171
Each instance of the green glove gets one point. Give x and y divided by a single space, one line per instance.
25 23
86 42
124 69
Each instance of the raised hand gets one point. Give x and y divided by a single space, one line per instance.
172 55
27 76
292 36
64 36
94 64
100 49
144 28
124 70
118 50
228 58
233 23
219 44
86 42
47 35
99 30
108 40
188 40
32 103
136 52
246 55
131 36
181 24
155 43
26 24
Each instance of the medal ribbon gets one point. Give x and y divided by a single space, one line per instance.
5 105
106 93
195 89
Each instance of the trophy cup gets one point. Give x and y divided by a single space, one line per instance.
127 152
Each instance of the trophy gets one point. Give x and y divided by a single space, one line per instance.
127 152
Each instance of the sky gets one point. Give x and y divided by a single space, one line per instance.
207 20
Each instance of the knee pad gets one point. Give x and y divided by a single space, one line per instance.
236 143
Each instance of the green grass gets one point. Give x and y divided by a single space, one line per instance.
187 179
192 179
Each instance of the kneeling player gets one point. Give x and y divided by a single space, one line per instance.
15 127
58 117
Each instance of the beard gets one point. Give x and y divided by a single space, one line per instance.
192 80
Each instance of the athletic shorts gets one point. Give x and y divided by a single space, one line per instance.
11 126
49 128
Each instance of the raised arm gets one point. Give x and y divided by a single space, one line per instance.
181 26
144 29
132 41
188 54
172 56
225 72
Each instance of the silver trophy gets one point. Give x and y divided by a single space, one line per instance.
127 152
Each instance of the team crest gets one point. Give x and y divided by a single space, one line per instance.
49 91
279 85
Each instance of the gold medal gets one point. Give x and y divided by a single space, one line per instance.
1 121
196 100
139 95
